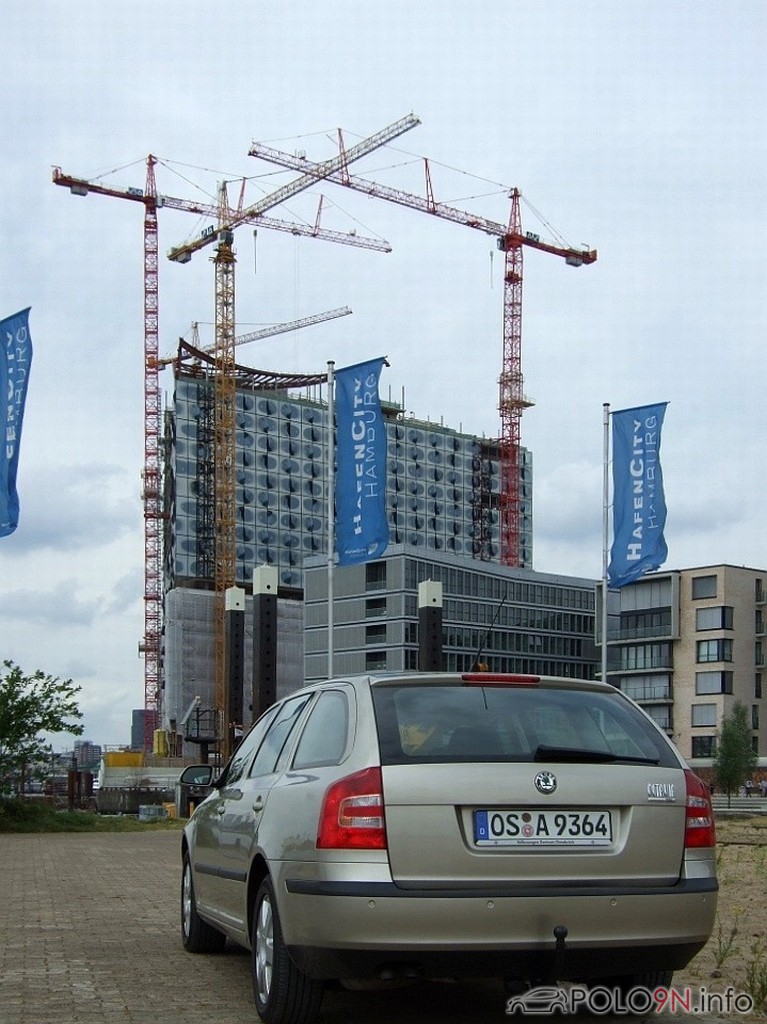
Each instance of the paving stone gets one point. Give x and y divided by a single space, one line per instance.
89 934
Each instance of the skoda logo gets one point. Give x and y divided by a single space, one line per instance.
545 782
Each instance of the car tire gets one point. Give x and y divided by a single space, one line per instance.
283 993
197 935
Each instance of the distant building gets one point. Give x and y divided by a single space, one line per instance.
142 724
87 755
687 645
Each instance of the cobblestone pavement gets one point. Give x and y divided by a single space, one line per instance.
89 933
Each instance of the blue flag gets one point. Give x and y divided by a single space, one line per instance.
362 532
639 505
15 361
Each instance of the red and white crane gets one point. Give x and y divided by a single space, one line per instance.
148 197
511 240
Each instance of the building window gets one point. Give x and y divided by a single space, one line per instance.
375 634
758 685
375 576
713 618
647 687
703 746
375 607
704 714
639 625
754 716
759 590
713 682
759 622
661 715
758 653
703 586
375 661
645 656
714 650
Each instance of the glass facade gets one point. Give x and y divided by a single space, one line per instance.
442 486
513 620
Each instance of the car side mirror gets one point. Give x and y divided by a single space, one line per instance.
197 775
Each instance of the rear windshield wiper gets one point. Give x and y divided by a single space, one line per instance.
572 754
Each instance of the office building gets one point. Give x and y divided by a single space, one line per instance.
513 620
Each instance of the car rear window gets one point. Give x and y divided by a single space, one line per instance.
506 723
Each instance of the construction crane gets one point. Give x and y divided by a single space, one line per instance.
230 220
511 241
267 332
225 382
148 197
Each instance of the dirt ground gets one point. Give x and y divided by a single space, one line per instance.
740 936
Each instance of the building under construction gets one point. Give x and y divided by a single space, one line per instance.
448 493
442 496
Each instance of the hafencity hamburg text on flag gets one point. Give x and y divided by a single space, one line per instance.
362 532
15 361
639 504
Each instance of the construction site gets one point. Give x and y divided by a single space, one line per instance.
236 485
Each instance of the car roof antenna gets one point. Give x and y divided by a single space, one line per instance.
480 665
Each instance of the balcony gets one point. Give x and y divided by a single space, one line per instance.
617 665
641 694
641 633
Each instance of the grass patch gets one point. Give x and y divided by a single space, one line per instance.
21 816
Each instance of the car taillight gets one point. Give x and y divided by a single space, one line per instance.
699 825
352 816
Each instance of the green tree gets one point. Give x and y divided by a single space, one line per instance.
735 759
30 706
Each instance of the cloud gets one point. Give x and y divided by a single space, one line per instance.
57 607
73 508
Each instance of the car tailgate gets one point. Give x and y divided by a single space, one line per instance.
602 824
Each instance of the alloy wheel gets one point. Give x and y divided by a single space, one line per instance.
186 898
264 952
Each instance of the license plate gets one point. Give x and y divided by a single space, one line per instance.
506 827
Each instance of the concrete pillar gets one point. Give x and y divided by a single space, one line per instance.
430 657
264 639
234 607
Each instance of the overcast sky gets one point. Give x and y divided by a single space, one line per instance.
635 128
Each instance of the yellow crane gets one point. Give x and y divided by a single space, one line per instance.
225 381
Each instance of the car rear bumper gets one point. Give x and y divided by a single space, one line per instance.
591 964
463 933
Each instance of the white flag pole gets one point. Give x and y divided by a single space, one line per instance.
331 448
605 527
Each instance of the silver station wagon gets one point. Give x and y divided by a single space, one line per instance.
387 827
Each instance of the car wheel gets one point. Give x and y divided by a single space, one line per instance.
197 935
283 993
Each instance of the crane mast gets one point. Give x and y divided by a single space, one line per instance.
224 390
151 488
511 399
